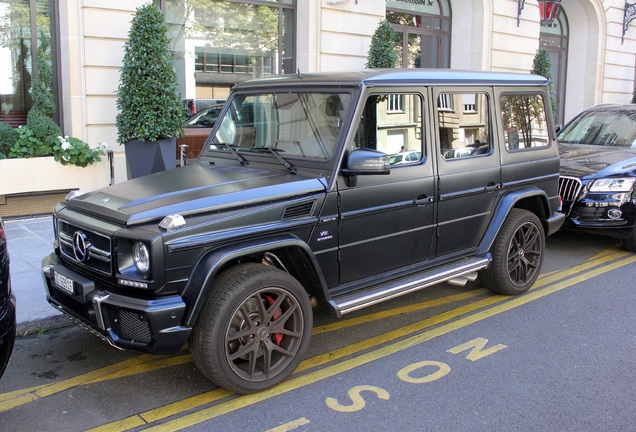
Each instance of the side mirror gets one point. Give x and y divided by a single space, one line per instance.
365 161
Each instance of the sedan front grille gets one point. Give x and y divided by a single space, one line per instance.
569 190
98 250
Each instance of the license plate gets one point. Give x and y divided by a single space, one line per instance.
63 282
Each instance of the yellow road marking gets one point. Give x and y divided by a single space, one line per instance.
147 362
346 365
291 425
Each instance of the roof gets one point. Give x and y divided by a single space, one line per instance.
371 77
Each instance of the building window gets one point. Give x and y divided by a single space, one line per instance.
22 22
424 32
218 43
395 104
445 102
555 39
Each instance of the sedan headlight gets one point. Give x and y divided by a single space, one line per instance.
141 258
620 184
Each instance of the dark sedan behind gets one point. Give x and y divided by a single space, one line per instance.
598 172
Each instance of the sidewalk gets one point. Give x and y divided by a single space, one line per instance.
30 240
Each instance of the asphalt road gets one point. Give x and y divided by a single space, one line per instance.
558 358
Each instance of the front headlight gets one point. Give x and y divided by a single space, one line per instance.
620 184
141 258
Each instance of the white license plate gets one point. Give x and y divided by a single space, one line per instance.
63 282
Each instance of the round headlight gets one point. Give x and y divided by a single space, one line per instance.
141 257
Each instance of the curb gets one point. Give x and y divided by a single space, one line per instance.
42 325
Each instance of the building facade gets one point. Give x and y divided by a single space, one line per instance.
217 43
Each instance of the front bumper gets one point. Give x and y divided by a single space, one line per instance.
152 326
594 219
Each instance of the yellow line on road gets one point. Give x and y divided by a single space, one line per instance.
146 362
346 365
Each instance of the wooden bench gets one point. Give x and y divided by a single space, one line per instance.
14 119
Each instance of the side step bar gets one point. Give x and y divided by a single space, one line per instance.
456 272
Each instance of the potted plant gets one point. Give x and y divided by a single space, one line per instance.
150 117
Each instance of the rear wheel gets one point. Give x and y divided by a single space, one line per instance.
254 329
517 254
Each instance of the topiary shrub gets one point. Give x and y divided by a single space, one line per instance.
383 53
45 130
8 137
148 99
541 65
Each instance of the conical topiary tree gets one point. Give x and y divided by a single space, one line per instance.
383 52
150 116
541 65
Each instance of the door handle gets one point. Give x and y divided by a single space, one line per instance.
491 187
422 200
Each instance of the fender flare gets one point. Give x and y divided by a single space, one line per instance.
507 203
212 262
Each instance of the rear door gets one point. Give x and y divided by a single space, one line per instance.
469 176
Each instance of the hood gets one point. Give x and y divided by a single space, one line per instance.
192 189
586 161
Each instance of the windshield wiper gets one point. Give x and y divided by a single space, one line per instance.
231 148
291 168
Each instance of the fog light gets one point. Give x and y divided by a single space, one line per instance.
614 213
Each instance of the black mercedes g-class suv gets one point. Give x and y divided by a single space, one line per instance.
293 202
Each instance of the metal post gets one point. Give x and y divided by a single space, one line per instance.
111 164
184 149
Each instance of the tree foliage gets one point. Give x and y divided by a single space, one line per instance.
541 65
383 52
148 99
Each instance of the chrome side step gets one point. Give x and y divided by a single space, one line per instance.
457 273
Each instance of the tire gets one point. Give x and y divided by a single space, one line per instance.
517 254
629 243
254 328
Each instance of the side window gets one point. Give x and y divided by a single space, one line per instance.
464 125
392 123
524 121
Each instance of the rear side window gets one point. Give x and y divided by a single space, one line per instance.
464 125
524 121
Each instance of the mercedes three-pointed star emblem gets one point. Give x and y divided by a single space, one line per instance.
81 246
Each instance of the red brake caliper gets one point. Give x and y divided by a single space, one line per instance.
276 337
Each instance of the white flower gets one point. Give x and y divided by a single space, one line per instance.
66 158
65 145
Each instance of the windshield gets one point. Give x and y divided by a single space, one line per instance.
615 127
304 125
205 118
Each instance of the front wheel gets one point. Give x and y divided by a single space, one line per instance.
629 243
254 329
517 254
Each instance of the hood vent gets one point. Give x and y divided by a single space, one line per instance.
299 210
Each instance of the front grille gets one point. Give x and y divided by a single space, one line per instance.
99 250
569 190
129 325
